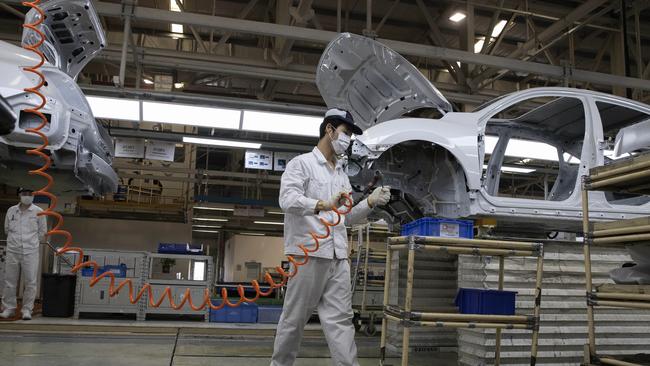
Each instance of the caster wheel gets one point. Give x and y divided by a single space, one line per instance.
370 330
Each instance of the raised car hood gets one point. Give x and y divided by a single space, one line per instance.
373 82
73 34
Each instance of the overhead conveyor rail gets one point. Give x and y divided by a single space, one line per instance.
408 318
630 175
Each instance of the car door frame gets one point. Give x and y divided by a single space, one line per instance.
570 207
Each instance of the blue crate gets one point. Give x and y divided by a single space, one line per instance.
428 226
244 313
486 302
173 248
118 271
269 314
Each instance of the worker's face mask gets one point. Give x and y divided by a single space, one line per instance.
26 200
341 143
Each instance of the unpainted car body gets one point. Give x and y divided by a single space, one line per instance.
436 164
80 148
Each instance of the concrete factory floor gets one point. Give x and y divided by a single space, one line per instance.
59 342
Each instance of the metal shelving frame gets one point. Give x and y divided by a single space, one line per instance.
361 267
86 297
197 286
630 175
409 318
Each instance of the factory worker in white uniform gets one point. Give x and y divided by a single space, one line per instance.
24 230
311 184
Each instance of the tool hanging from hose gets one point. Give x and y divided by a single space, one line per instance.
113 288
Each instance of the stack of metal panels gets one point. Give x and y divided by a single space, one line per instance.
563 331
434 290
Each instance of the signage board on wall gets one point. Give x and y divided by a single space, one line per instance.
258 159
160 150
129 148
280 160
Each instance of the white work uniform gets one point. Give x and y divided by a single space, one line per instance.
24 231
322 284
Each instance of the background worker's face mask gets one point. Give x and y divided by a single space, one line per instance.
341 143
26 200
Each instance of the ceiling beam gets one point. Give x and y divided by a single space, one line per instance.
544 37
405 48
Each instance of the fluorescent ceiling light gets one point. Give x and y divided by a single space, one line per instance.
529 150
206 231
214 208
148 82
524 149
512 169
268 222
457 17
189 115
115 108
179 85
253 234
208 226
478 46
288 124
173 6
276 213
209 219
226 143
177 28
498 28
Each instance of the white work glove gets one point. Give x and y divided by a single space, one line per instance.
337 201
379 197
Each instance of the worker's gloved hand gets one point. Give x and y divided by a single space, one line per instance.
379 197
337 201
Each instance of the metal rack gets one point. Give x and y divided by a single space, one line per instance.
459 246
179 286
96 299
367 293
626 176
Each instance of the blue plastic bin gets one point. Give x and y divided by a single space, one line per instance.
118 271
448 228
173 248
244 313
269 314
486 302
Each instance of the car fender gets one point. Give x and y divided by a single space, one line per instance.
456 132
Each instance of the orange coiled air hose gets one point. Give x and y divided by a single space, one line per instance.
113 289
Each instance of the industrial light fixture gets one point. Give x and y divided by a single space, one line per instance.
268 222
214 208
176 28
478 46
512 169
206 231
275 213
225 143
148 81
498 28
190 115
208 226
114 108
528 149
209 219
282 123
457 17
253 234
180 85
